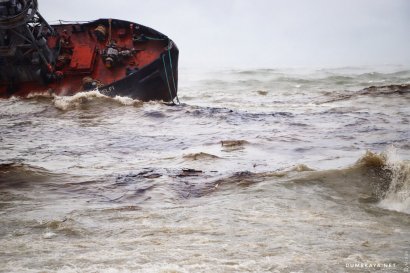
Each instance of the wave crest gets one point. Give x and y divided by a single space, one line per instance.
83 98
392 179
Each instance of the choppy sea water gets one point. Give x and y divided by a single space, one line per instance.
266 170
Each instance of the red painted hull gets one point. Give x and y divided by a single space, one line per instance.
149 72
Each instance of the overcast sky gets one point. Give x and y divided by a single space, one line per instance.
263 33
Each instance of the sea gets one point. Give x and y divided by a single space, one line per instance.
255 170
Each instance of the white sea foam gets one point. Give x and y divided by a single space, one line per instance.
127 101
72 102
49 235
67 102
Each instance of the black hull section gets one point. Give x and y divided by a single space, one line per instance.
156 81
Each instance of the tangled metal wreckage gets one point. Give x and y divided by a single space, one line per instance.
117 57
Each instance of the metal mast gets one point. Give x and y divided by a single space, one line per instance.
24 53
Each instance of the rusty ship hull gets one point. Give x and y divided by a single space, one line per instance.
116 57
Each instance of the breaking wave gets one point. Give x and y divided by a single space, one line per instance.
17 175
392 186
382 90
377 178
79 100
83 99
381 179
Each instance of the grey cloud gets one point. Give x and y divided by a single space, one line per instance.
264 33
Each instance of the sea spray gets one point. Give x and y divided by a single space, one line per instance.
397 196
391 178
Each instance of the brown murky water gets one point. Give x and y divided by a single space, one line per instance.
256 171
